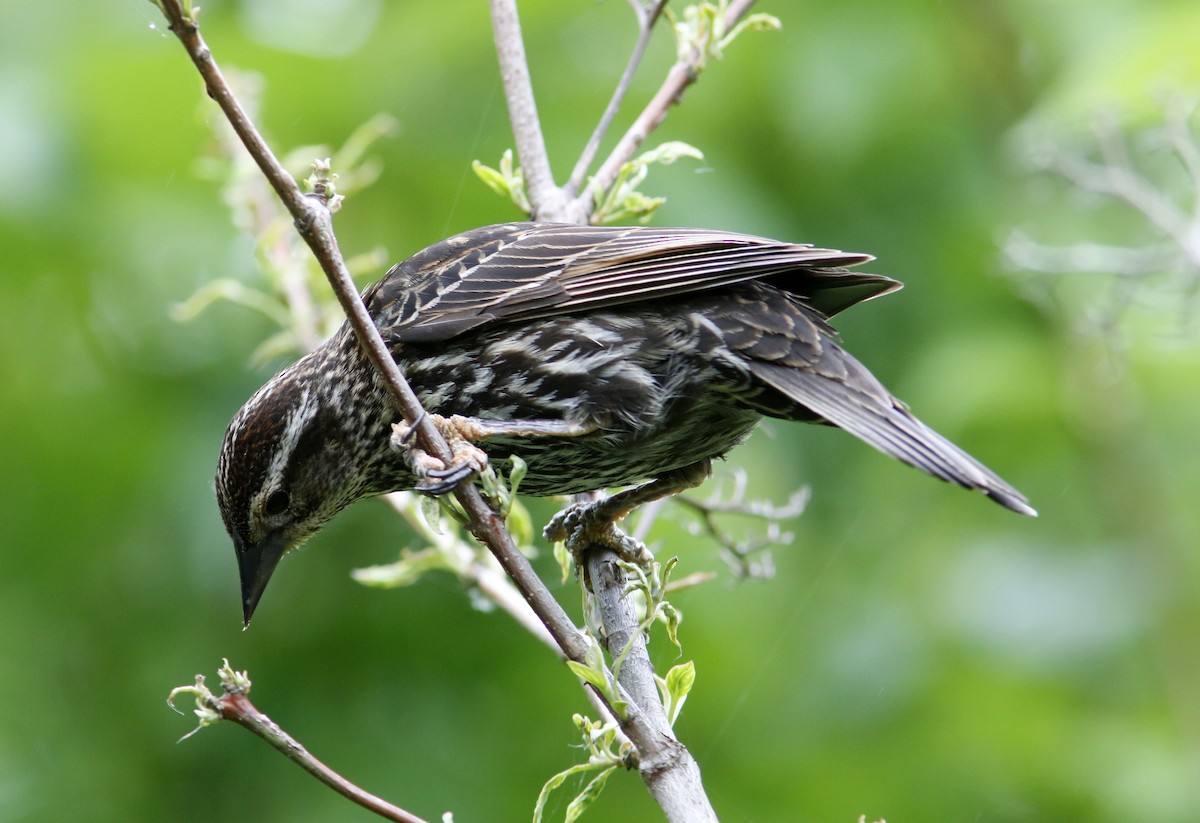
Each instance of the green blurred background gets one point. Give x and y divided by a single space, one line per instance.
921 655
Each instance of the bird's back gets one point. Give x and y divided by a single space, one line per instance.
671 341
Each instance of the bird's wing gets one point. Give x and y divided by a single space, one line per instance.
522 271
890 427
790 348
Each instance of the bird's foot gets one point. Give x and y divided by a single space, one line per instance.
594 522
589 525
434 475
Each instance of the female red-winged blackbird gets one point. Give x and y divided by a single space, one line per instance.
601 356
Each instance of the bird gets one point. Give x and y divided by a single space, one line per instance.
602 356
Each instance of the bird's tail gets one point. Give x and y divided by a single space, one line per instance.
869 412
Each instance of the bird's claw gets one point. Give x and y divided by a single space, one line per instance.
402 433
584 525
466 460
449 477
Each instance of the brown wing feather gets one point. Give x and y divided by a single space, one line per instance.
790 348
522 271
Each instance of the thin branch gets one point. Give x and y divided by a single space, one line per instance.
671 773
745 556
548 201
240 710
1183 143
313 221
472 568
681 75
235 705
1179 111
665 765
1116 177
495 586
1160 274
1089 258
646 17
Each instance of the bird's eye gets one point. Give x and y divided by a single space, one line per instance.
277 503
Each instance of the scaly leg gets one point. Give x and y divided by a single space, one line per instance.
462 433
595 522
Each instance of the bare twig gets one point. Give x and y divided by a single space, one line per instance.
548 201
745 556
1183 142
737 551
234 704
647 16
1119 178
681 75
1087 258
1162 271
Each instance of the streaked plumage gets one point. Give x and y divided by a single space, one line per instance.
670 343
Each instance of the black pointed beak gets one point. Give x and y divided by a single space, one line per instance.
256 564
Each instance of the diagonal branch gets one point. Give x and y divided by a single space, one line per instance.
647 16
1116 176
313 221
234 704
682 74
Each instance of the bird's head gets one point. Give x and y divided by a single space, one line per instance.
285 470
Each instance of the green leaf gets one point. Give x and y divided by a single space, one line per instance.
519 468
520 523
539 808
410 568
623 200
234 292
679 682
667 569
491 178
506 181
589 675
564 559
493 487
589 793
755 22
667 153
672 617
431 510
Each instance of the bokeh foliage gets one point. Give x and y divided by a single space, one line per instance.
921 654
